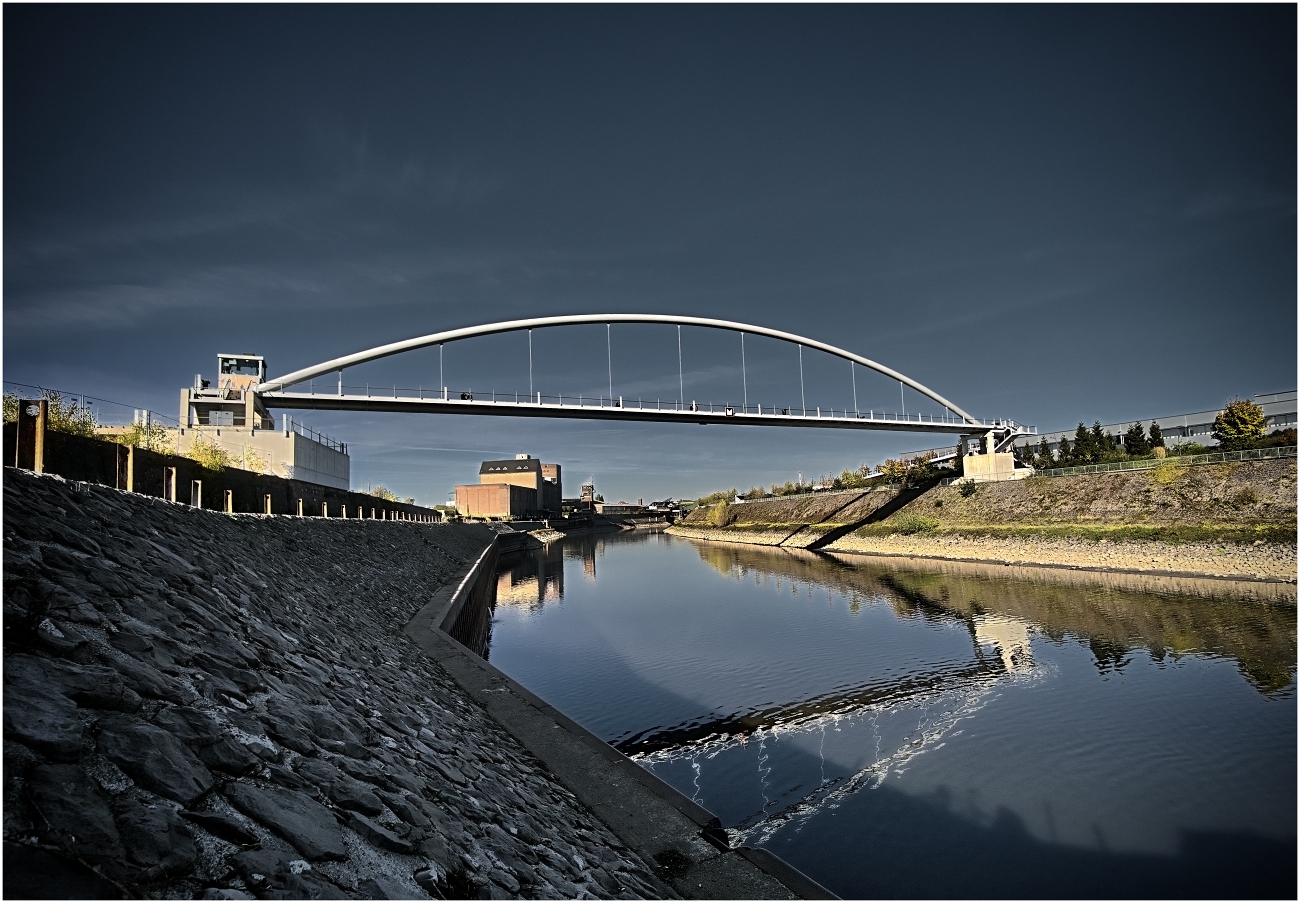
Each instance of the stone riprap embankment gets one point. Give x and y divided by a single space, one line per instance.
204 705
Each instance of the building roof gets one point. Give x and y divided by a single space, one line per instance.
526 465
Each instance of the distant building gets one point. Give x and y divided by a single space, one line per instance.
1279 414
619 508
524 487
232 417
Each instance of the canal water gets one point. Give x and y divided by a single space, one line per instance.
907 729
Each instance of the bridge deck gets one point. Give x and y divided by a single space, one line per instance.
640 411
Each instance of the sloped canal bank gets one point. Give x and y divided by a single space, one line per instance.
925 729
228 707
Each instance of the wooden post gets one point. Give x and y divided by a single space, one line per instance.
169 483
266 502
29 444
229 500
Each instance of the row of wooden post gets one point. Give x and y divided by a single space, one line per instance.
29 454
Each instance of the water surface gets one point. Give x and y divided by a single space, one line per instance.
904 729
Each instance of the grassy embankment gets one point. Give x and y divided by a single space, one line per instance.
1235 502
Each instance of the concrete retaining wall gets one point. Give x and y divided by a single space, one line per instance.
685 840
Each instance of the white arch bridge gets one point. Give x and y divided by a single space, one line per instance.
288 391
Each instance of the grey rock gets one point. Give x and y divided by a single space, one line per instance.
504 879
192 727
154 759
436 849
369 772
132 644
285 726
348 793
149 681
427 878
229 757
327 726
88 685
317 771
226 893
406 811
226 827
75 812
450 772
380 888
155 838
43 719
287 777
379 835
346 748
294 816
274 876
60 638
607 881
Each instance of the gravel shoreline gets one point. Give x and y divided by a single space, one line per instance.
1260 561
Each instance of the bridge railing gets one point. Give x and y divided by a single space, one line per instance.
579 400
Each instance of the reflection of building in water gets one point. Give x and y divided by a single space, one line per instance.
589 560
1010 637
534 579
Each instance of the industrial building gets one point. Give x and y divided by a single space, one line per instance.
1279 414
523 487
232 416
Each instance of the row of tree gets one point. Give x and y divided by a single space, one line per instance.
1240 425
1096 446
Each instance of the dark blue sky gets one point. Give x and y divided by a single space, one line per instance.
1053 213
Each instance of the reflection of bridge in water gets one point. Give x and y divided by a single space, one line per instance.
332 394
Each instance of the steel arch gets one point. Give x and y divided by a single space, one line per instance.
441 338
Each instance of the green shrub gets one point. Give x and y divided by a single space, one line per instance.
720 515
150 436
1167 471
714 497
967 488
65 415
1245 497
207 453
910 523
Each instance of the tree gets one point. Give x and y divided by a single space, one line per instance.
1064 453
1155 438
1084 446
1239 424
1135 440
1100 442
383 492
1044 457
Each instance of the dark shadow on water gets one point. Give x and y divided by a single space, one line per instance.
886 844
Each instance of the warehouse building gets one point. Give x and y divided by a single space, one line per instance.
523 487
1279 414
